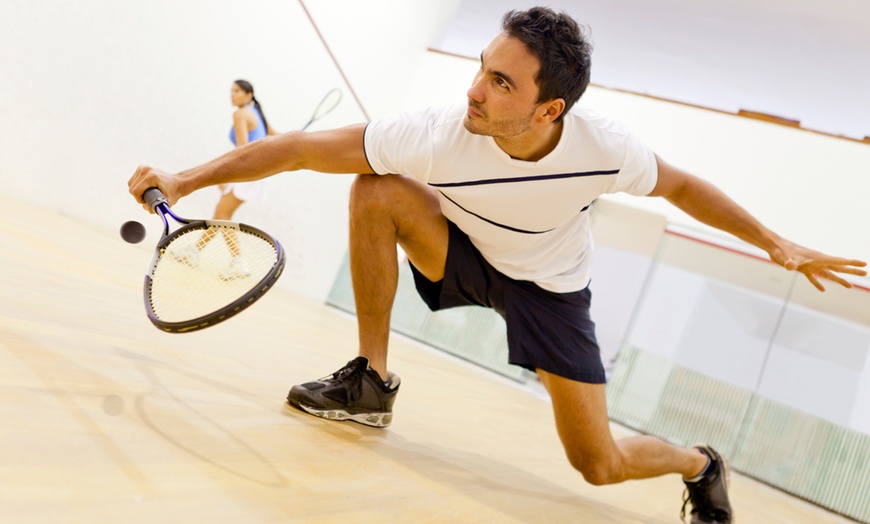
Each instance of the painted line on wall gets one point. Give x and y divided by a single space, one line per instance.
710 243
334 61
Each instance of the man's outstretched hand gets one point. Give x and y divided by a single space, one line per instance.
815 265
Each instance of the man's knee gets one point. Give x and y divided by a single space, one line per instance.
400 196
375 192
597 471
366 188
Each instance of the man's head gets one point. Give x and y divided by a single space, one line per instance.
530 75
564 52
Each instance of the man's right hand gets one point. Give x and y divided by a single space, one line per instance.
147 177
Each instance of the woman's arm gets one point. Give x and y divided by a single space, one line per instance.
240 127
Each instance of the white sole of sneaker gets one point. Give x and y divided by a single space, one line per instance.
375 420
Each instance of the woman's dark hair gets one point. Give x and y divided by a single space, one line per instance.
564 51
246 86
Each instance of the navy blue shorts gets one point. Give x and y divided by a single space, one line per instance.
545 330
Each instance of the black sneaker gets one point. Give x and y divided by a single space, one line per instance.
709 496
354 392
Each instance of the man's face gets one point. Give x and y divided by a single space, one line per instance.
503 96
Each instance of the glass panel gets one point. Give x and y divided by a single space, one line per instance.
472 333
722 347
727 348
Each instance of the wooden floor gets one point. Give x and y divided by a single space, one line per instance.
106 419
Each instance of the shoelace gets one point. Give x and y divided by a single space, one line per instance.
349 372
707 512
341 374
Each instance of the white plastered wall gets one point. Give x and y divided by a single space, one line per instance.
811 188
89 90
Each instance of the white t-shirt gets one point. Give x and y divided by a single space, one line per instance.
530 220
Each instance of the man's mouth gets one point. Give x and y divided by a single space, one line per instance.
474 110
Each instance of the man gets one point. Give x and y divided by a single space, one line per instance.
490 203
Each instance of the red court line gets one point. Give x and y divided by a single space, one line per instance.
742 113
334 61
739 252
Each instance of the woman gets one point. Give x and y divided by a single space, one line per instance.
249 124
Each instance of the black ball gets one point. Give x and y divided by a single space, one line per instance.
132 231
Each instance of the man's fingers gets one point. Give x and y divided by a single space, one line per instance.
814 277
837 278
141 180
815 281
816 266
851 270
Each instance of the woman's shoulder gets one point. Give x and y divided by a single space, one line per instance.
243 114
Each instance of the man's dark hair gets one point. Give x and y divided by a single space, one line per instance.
564 51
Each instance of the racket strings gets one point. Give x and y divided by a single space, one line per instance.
203 270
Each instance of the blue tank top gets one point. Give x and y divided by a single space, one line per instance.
254 134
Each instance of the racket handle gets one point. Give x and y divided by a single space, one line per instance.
153 197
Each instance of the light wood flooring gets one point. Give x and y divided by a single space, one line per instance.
104 419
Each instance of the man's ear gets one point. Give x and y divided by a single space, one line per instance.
552 109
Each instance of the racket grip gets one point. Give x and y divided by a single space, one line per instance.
153 197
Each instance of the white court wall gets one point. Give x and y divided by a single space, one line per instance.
810 188
92 89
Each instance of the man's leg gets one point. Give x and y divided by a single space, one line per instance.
386 211
584 429
581 420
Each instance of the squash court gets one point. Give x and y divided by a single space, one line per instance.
106 419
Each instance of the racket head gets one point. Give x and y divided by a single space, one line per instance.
329 102
193 283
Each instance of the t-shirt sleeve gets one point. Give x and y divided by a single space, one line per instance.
639 173
401 145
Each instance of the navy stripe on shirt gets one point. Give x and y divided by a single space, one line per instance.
527 178
494 223
503 226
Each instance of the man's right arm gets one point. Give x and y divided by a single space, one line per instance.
333 151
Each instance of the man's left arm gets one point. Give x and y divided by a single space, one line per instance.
707 204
